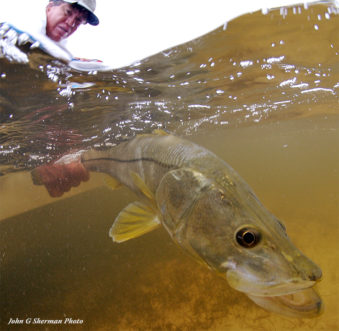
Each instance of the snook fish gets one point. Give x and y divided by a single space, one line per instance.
209 210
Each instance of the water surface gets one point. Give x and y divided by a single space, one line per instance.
259 67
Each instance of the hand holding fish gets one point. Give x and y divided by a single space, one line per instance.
59 178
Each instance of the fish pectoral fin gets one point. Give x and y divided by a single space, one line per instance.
133 221
138 181
112 182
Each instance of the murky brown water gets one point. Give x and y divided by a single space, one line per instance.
58 262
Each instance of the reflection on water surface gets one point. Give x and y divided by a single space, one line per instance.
237 75
261 92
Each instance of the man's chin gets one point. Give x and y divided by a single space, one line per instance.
56 37
59 34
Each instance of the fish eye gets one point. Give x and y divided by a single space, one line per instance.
247 237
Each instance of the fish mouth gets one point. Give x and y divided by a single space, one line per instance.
302 303
244 283
290 287
294 297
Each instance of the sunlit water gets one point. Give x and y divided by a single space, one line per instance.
261 92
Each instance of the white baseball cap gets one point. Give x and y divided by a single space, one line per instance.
89 5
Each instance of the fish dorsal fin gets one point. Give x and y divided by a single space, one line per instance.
112 182
133 221
160 132
138 182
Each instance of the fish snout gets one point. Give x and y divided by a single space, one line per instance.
316 275
306 269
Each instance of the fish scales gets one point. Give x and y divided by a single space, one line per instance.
152 156
211 212
148 157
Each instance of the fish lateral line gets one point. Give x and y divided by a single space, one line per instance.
142 159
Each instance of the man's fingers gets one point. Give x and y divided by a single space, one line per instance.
60 178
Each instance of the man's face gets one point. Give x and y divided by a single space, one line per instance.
63 20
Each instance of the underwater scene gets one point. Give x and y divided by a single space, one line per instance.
260 92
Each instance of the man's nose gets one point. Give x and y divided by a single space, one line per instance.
71 20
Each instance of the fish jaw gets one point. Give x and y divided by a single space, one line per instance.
304 303
274 288
294 296
272 275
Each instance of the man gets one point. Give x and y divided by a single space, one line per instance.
63 17
47 27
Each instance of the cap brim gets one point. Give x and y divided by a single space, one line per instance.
92 19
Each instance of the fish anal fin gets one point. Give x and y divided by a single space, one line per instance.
112 182
133 221
138 181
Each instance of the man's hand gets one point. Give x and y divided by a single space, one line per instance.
58 178
8 41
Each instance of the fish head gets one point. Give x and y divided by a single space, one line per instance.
273 273
265 262
227 228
